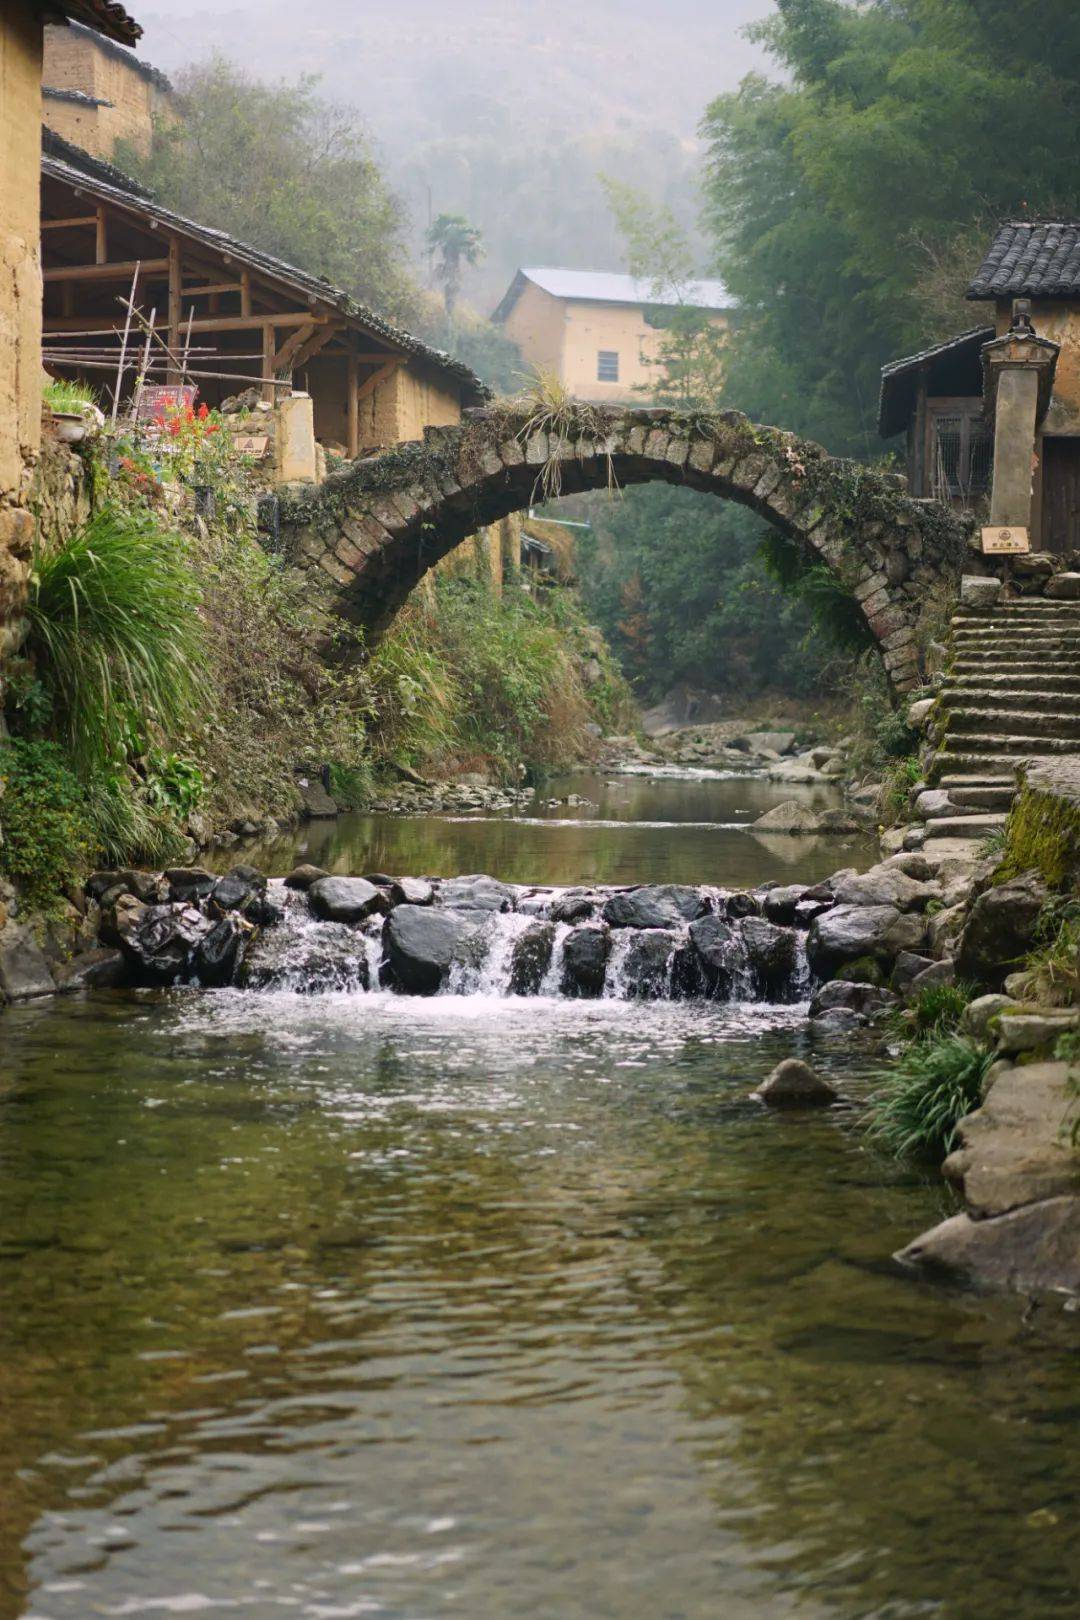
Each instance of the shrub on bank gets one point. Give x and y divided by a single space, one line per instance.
933 1085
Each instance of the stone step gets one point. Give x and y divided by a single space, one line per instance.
989 664
1022 681
980 779
978 744
964 826
952 762
983 798
980 695
1028 613
1056 724
1010 640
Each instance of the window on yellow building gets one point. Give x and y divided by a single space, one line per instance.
607 365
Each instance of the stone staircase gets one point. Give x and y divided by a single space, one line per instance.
1010 694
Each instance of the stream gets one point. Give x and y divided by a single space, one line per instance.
500 1308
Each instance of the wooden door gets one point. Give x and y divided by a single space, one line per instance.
1061 494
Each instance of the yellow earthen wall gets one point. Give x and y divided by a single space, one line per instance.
20 300
73 62
566 336
1060 323
410 400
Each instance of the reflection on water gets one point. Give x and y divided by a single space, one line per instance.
691 827
492 1309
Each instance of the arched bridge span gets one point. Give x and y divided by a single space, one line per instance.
369 533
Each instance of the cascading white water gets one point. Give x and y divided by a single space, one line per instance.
305 955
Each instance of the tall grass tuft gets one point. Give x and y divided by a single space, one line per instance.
115 633
934 1084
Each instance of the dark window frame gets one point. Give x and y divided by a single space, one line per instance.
608 373
975 434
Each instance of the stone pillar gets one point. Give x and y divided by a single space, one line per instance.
294 441
1019 373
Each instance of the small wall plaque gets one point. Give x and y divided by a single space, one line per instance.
1005 540
252 444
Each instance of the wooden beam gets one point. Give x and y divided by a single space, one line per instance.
245 293
269 339
209 288
285 359
352 404
176 282
107 272
101 235
384 373
314 345
62 224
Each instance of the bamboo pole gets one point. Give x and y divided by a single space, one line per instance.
124 344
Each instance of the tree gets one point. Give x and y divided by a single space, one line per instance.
456 244
288 172
689 361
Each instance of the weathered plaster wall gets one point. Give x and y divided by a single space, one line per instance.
566 337
537 324
20 297
406 403
75 62
1060 323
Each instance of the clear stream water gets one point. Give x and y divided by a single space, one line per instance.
359 1305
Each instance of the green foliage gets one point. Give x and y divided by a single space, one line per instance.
939 1007
47 834
454 243
1042 834
898 778
479 344
115 633
933 1085
1053 971
285 170
837 190
126 824
60 395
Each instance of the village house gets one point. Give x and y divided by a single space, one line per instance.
597 331
1000 404
22 34
95 94
229 316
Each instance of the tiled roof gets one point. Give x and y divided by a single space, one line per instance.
78 97
55 146
1031 260
103 16
899 379
609 287
90 179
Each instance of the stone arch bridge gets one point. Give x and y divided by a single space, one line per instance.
369 533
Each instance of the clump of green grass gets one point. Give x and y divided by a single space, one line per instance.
939 1007
934 1084
1053 972
115 632
567 421
62 396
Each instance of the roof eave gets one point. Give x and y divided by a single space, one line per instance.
105 17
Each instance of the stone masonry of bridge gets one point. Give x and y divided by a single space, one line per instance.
368 534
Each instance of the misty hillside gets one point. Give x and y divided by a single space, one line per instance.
502 112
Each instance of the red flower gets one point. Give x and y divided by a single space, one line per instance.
204 412
214 427
174 427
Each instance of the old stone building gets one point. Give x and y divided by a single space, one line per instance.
597 332
949 403
22 32
96 94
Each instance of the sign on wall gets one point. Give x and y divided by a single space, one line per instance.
996 541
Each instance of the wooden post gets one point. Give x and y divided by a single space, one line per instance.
245 293
176 283
267 360
101 236
353 404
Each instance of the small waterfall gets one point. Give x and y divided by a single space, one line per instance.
524 952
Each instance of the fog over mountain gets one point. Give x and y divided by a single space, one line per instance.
504 112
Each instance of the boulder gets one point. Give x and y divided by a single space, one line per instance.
1002 927
886 886
934 802
163 946
1035 1247
919 712
794 1084
410 891
103 968
790 818
841 823
476 893
647 966
189 884
780 904
864 999
943 972
769 742
316 804
345 899
1063 587
658 906
1012 1150
231 894
771 956
741 904
848 932
1029 1030
718 954
24 972
585 956
303 876
980 592
572 908
531 958
217 956
979 1014
421 942
120 919
944 928
907 969
912 863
